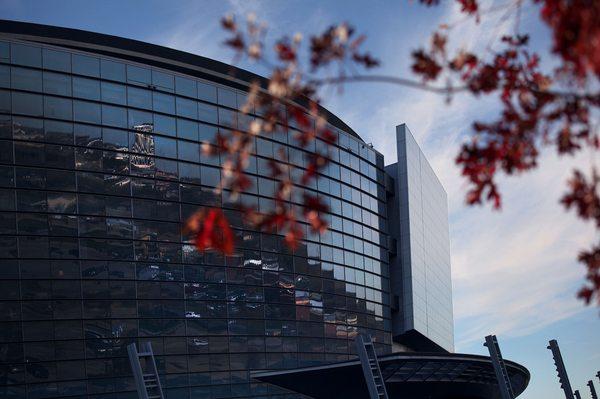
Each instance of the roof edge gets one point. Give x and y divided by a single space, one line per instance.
148 53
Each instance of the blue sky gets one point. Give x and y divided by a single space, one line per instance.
514 272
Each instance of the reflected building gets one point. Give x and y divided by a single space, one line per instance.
100 164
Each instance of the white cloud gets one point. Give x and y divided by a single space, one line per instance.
514 271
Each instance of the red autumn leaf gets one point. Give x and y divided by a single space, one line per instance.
313 208
285 51
584 196
576 34
469 6
210 230
425 66
228 23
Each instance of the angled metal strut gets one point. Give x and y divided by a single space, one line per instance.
506 390
370 366
592 389
563 377
144 372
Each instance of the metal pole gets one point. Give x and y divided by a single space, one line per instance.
563 378
592 389
577 395
499 367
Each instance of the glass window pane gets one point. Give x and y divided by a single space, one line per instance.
210 176
28 129
185 87
114 116
163 103
60 108
84 65
89 136
112 70
5 76
189 151
207 113
56 60
58 132
28 104
86 88
189 172
84 111
115 139
227 97
4 51
186 108
22 54
227 117
5 101
164 125
26 79
187 129
163 80
140 98
136 74
207 92
165 147
113 93
57 83
139 118
207 133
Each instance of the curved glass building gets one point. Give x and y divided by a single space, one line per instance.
100 164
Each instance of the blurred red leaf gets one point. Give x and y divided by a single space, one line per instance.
210 230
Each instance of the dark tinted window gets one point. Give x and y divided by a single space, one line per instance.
207 132
139 98
112 70
185 87
56 60
207 92
56 107
26 79
186 108
26 103
227 97
28 128
113 93
165 147
163 103
207 113
84 65
22 54
57 83
138 75
86 88
84 111
114 116
58 132
187 129
164 125
4 51
163 81
4 76
5 101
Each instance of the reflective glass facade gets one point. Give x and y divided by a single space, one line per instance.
420 268
100 164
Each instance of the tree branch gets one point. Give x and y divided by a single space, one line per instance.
386 79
